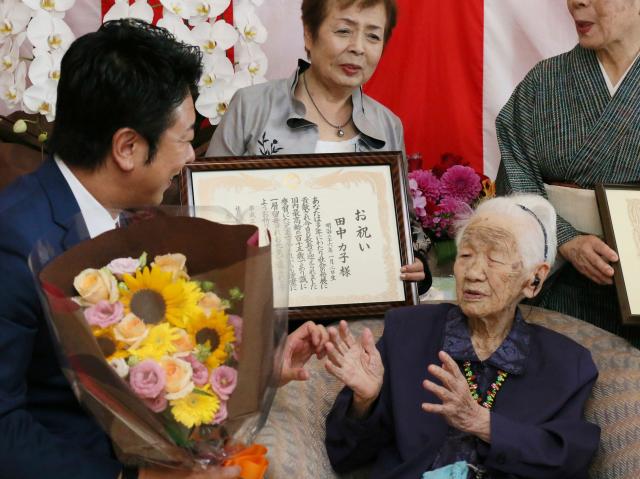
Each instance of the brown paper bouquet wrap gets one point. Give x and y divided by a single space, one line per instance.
223 255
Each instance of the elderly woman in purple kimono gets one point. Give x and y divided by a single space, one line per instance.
573 122
471 390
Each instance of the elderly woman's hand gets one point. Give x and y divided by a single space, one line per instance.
413 271
357 364
591 256
458 407
304 342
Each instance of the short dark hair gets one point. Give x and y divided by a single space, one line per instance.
314 13
127 74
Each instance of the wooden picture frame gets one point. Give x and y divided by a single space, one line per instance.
329 200
619 207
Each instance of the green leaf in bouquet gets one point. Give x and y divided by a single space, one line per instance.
132 360
235 294
225 304
206 286
122 286
202 352
445 251
178 432
143 260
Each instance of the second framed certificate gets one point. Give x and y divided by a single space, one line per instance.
343 217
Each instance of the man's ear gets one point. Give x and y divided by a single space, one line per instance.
535 280
127 147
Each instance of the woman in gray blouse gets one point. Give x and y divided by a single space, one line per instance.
321 108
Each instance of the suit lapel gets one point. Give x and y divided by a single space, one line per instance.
65 211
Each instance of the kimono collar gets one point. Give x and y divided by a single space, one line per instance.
510 356
372 133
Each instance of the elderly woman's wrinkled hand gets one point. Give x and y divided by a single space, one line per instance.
357 364
591 256
458 407
304 342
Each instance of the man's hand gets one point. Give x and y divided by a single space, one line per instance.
231 472
413 271
304 342
591 256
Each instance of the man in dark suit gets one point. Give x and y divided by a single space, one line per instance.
124 123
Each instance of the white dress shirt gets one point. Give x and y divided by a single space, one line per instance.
97 218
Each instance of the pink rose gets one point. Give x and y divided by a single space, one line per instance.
147 379
103 314
223 381
222 413
122 266
200 372
157 404
236 322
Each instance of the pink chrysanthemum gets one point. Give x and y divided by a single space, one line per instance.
427 183
461 183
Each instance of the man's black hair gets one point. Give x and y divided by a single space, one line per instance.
127 74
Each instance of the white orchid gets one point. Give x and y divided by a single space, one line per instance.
215 68
215 38
47 34
14 16
41 99
248 24
177 27
121 9
202 10
213 102
54 7
182 8
10 53
45 67
250 58
12 86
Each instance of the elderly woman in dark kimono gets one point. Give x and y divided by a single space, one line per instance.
469 390
574 121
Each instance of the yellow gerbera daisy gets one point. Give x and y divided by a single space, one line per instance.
215 332
199 407
152 295
159 342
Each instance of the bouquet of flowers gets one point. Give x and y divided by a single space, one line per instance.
168 335
444 194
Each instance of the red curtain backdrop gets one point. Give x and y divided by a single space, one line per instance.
431 76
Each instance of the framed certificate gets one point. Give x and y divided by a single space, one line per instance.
341 220
619 207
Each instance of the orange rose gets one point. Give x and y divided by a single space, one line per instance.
95 285
178 377
131 330
172 263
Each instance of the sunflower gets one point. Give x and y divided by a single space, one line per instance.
152 295
158 343
110 347
199 407
214 332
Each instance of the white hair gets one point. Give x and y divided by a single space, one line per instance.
533 212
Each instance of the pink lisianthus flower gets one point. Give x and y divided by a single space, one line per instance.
200 375
121 266
223 381
104 314
236 322
147 379
222 413
427 183
157 404
462 183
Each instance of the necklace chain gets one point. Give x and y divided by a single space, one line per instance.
490 395
340 131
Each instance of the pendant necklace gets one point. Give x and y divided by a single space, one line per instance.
340 131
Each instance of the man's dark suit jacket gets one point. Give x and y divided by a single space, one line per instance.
44 433
537 425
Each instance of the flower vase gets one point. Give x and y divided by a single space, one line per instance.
441 257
